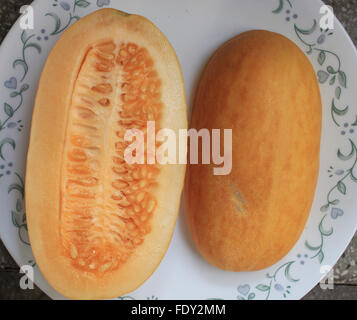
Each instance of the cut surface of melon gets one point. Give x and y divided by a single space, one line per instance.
106 204
99 226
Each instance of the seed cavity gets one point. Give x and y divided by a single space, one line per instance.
77 155
104 88
106 205
73 251
105 102
86 113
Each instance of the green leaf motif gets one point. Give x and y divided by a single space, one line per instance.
5 141
14 219
262 287
341 187
307 31
82 3
354 124
24 87
18 205
8 109
332 80
33 45
287 272
324 208
343 157
22 63
342 79
322 57
240 298
338 93
323 231
331 70
14 94
335 202
310 247
280 7
17 187
339 112
353 177
251 296
57 22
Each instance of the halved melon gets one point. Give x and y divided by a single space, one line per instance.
99 226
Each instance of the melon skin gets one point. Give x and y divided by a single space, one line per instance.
98 226
263 87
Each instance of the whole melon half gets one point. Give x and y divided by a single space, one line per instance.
99 226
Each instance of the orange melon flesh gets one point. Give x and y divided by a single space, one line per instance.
263 87
99 226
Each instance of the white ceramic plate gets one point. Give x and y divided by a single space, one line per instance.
196 29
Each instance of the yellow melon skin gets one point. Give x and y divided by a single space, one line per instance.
98 226
263 87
